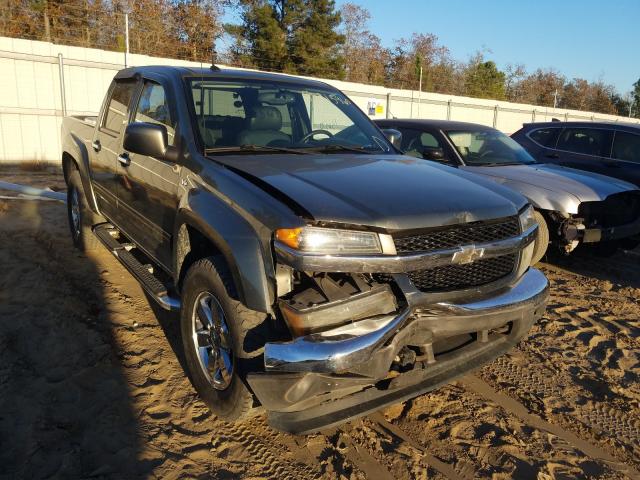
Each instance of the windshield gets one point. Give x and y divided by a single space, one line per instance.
488 147
263 116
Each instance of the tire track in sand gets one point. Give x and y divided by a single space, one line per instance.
514 407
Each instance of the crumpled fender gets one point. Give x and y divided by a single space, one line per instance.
245 250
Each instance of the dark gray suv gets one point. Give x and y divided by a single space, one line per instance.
611 149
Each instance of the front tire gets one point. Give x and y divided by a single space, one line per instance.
79 216
217 338
542 240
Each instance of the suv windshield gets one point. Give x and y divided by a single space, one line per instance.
488 148
267 117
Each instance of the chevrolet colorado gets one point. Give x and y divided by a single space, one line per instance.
317 272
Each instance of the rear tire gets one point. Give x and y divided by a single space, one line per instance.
79 215
217 337
542 239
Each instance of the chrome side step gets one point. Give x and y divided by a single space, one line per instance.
107 233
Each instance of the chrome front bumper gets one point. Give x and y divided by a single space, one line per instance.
368 347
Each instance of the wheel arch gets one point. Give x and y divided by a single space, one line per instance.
197 236
75 155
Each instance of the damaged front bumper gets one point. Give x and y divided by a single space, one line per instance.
603 234
326 378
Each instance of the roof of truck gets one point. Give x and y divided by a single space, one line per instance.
217 73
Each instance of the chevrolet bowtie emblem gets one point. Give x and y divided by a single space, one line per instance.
467 255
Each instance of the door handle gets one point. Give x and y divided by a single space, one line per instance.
552 155
124 159
97 146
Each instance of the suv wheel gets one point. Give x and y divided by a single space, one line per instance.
217 338
80 218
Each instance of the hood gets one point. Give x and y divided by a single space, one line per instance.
553 187
386 191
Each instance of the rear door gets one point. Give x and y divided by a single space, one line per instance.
148 186
625 157
585 149
106 145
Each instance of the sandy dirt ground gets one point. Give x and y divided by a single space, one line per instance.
92 383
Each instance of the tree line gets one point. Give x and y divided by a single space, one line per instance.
306 37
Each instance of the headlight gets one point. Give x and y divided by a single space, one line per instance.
527 219
330 240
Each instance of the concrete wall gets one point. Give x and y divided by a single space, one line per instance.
31 97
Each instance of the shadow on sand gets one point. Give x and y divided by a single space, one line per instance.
65 406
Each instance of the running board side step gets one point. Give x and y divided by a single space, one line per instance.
106 233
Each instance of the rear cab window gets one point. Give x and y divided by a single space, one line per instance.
117 110
586 141
626 146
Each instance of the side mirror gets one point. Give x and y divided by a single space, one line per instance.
433 153
149 139
393 135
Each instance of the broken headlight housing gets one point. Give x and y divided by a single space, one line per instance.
527 218
330 241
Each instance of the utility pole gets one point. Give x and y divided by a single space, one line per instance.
126 39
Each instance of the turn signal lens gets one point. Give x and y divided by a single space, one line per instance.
289 236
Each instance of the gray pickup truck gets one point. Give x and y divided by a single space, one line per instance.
317 272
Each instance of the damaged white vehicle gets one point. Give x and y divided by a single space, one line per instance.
572 206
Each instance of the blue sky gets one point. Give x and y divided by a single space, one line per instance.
579 38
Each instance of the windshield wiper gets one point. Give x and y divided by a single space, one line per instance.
253 148
337 147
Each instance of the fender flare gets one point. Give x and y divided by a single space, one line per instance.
77 150
249 260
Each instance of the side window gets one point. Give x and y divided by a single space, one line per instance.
428 140
626 146
547 137
117 109
587 141
153 107
414 142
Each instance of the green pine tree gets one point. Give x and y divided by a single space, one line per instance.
295 36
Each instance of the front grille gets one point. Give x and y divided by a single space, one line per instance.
458 277
457 235
615 210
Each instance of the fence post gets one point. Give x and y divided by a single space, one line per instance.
533 115
449 109
495 116
63 95
388 105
